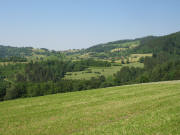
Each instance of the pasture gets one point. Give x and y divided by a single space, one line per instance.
142 109
136 57
98 71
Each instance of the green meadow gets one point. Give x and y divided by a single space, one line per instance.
141 109
98 71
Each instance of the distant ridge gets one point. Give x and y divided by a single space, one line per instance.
148 44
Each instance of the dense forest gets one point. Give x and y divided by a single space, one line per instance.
13 59
169 44
8 51
44 77
26 78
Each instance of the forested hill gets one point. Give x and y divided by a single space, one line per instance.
150 44
169 43
147 44
9 51
129 43
109 46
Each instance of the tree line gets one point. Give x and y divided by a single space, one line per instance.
13 59
45 77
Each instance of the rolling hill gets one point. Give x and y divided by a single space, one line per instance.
149 44
149 109
25 52
120 48
124 48
128 44
168 43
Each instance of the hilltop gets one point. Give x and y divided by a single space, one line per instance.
120 49
8 53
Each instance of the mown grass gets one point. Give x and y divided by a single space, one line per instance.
98 71
144 109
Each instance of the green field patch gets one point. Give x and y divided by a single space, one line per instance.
98 71
131 44
136 57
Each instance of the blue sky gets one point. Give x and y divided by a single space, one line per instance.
65 24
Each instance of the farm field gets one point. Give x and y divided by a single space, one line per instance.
136 57
151 109
97 71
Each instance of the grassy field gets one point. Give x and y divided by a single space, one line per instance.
136 57
144 109
97 71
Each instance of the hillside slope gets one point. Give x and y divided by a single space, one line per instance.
125 48
128 44
136 109
168 43
150 44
